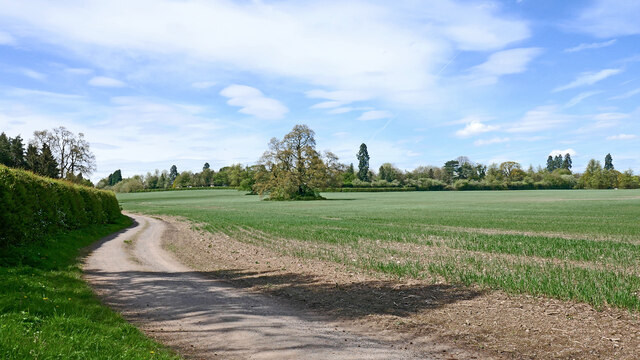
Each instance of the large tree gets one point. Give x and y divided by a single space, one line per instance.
5 150
291 168
567 163
363 163
71 152
551 165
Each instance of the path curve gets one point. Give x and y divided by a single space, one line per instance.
209 319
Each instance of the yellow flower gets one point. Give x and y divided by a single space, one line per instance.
45 298
152 352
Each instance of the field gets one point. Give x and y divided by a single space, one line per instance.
569 245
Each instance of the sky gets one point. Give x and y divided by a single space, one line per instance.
152 83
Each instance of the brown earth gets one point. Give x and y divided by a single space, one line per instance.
492 324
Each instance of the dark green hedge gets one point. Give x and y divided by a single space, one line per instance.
33 207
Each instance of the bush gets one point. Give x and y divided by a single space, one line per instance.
33 207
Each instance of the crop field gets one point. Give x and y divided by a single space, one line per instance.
578 245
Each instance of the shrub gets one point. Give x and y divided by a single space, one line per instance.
33 207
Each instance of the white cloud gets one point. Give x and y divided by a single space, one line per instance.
603 121
539 119
6 39
393 51
340 110
203 84
253 102
475 127
563 152
608 18
512 61
588 78
622 137
495 140
626 95
32 74
103 81
578 98
375 115
596 45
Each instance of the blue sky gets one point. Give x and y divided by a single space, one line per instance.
153 83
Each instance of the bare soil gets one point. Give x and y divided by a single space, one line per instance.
470 320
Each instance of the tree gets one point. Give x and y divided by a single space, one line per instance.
363 163
388 172
5 150
508 169
173 174
557 162
551 165
71 152
115 178
608 162
450 170
17 152
291 168
32 159
567 163
48 164
206 166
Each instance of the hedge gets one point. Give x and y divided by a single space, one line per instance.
33 207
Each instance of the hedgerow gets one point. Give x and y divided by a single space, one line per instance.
33 207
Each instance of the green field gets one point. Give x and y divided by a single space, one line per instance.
568 244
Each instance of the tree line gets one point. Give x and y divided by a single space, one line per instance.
56 153
292 168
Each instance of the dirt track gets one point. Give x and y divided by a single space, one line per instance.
205 318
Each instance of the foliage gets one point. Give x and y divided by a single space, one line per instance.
33 207
292 168
608 162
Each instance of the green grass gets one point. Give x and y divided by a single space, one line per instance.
567 244
48 312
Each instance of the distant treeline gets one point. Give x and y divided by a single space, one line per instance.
458 174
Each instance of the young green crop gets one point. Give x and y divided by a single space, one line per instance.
581 245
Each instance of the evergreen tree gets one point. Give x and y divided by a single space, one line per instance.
173 174
206 166
5 150
32 159
551 165
17 152
567 163
608 162
48 164
557 162
115 178
363 163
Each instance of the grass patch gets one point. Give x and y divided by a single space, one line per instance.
48 312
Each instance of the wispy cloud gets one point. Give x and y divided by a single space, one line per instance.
563 152
78 71
253 102
622 137
512 61
589 46
104 81
375 115
578 98
626 95
32 74
588 78
608 18
539 119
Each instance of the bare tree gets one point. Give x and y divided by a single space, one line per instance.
72 152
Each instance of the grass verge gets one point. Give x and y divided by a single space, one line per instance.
48 312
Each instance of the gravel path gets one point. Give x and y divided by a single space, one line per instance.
204 318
